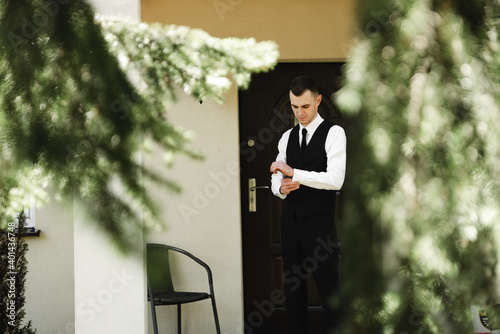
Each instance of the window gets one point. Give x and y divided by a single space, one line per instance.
30 219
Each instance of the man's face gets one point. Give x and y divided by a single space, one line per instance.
305 107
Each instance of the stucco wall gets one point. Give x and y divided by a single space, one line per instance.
50 279
205 218
110 289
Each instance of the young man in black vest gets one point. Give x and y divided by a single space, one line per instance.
309 167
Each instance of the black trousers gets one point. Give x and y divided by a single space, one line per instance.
310 243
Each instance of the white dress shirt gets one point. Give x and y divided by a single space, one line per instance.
335 147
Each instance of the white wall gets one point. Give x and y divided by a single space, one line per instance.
126 8
205 219
110 294
109 287
50 279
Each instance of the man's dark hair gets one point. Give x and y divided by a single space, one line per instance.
302 83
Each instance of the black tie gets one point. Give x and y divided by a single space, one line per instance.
303 144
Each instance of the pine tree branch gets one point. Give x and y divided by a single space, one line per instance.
80 96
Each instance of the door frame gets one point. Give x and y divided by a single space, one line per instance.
266 305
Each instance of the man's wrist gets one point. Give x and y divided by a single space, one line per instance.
291 174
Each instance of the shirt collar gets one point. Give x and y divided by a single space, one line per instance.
311 127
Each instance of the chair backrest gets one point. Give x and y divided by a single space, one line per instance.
158 269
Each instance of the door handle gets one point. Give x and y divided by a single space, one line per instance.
252 194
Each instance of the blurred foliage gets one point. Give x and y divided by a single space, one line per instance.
13 270
422 83
80 96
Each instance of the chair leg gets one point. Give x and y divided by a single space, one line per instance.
216 317
179 322
153 315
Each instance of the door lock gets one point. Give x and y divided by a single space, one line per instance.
252 194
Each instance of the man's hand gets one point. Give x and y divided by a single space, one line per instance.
287 186
280 166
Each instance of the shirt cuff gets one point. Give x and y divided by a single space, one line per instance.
298 175
277 193
280 195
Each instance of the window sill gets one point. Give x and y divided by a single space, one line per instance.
29 232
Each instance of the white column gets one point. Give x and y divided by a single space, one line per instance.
128 8
110 289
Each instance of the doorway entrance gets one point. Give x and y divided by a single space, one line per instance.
264 115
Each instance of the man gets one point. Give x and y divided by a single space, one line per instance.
309 167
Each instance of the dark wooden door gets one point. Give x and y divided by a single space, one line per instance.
265 114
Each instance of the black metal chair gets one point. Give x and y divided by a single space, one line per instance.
161 289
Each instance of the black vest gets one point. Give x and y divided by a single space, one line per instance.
306 200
